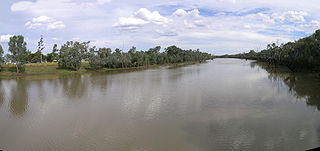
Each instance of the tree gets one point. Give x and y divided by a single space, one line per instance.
94 59
1 56
40 47
34 57
19 52
53 56
6 58
154 53
71 54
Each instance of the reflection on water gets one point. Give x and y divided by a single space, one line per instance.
19 98
2 94
302 85
75 87
225 104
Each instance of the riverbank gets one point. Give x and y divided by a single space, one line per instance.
52 69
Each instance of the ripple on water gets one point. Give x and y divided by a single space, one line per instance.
153 109
223 105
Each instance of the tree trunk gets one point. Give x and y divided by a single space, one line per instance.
17 68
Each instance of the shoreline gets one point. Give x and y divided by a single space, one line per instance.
52 70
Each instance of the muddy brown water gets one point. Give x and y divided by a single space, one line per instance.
225 104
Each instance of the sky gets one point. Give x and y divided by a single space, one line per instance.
214 26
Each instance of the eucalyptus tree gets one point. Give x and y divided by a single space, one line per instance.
140 58
153 54
104 54
7 59
19 52
94 60
35 57
99 58
53 56
72 53
134 57
117 58
1 57
40 48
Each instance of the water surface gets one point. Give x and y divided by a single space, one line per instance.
225 104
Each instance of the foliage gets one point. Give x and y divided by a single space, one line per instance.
19 53
53 56
1 56
71 54
105 58
36 57
40 48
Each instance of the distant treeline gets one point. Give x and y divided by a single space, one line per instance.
71 54
303 54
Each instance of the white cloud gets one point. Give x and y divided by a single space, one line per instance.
234 36
183 13
169 32
101 2
194 24
56 25
232 1
124 21
42 19
263 17
200 23
314 24
130 23
309 27
190 19
188 24
21 6
44 22
60 8
286 22
142 17
291 16
247 26
153 17
295 17
194 13
180 13
5 38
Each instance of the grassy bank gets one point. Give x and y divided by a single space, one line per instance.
38 69
52 69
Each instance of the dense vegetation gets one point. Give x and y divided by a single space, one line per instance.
1 56
301 54
104 58
72 54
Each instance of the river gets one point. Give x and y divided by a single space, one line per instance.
225 104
